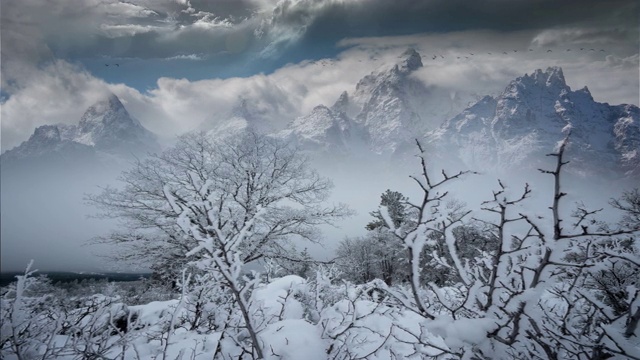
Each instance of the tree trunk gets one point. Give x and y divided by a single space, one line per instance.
247 320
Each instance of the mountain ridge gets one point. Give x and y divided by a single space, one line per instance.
106 128
528 119
512 130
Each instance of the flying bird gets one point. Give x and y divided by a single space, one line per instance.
530 49
515 50
471 54
602 50
568 49
118 65
504 52
549 50
106 64
581 48
489 53
442 56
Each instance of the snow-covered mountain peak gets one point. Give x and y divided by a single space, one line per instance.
392 104
410 61
46 133
108 111
545 83
584 93
325 130
342 104
108 125
105 126
552 77
110 102
535 112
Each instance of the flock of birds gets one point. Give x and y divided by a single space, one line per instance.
326 62
329 62
435 57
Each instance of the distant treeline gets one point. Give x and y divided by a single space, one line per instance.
65 277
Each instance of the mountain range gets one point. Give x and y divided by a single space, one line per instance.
388 110
382 115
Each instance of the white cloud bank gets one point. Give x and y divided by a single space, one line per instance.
60 92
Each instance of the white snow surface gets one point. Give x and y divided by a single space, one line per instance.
278 298
293 339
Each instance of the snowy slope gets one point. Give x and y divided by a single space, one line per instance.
518 127
49 141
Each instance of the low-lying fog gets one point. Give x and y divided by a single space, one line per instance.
45 218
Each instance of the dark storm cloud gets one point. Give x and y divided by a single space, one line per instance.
556 37
94 28
154 44
231 9
384 18
160 29
309 29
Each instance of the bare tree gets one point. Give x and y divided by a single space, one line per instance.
434 217
219 205
544 292
629 203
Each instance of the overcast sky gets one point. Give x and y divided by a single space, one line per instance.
182 63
